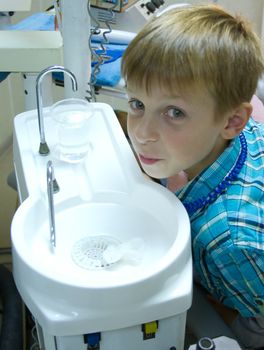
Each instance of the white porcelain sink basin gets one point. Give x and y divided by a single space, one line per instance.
50 279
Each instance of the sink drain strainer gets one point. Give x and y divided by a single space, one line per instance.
88 252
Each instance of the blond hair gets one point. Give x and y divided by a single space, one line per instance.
202 45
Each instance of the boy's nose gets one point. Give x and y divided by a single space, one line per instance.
146 130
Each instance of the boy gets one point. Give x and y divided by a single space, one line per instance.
190 75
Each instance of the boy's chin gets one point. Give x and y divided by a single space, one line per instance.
153 174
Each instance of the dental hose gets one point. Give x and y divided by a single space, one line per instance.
11 334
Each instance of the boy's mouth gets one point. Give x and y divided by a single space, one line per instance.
148 160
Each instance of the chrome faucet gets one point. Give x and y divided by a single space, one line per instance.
51 191
43 147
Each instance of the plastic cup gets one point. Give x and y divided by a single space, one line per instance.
71 118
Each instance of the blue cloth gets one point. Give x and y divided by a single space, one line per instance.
37 21
228 235
109 76
110 71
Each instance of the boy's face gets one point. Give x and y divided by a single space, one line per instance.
171 133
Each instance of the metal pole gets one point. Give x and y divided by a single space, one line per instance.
76 53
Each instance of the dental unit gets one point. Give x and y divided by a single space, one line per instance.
105 263
114 273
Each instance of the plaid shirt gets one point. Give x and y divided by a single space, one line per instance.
228 235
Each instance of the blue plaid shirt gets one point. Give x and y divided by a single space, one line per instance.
228 235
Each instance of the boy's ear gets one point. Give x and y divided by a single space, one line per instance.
236 121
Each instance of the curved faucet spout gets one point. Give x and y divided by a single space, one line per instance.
43 148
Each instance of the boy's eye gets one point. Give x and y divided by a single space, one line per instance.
136 105
173 113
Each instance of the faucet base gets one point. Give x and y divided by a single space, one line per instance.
44 149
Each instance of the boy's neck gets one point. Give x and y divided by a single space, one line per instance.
177 181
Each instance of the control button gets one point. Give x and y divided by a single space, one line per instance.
150 7
156 3
205 344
